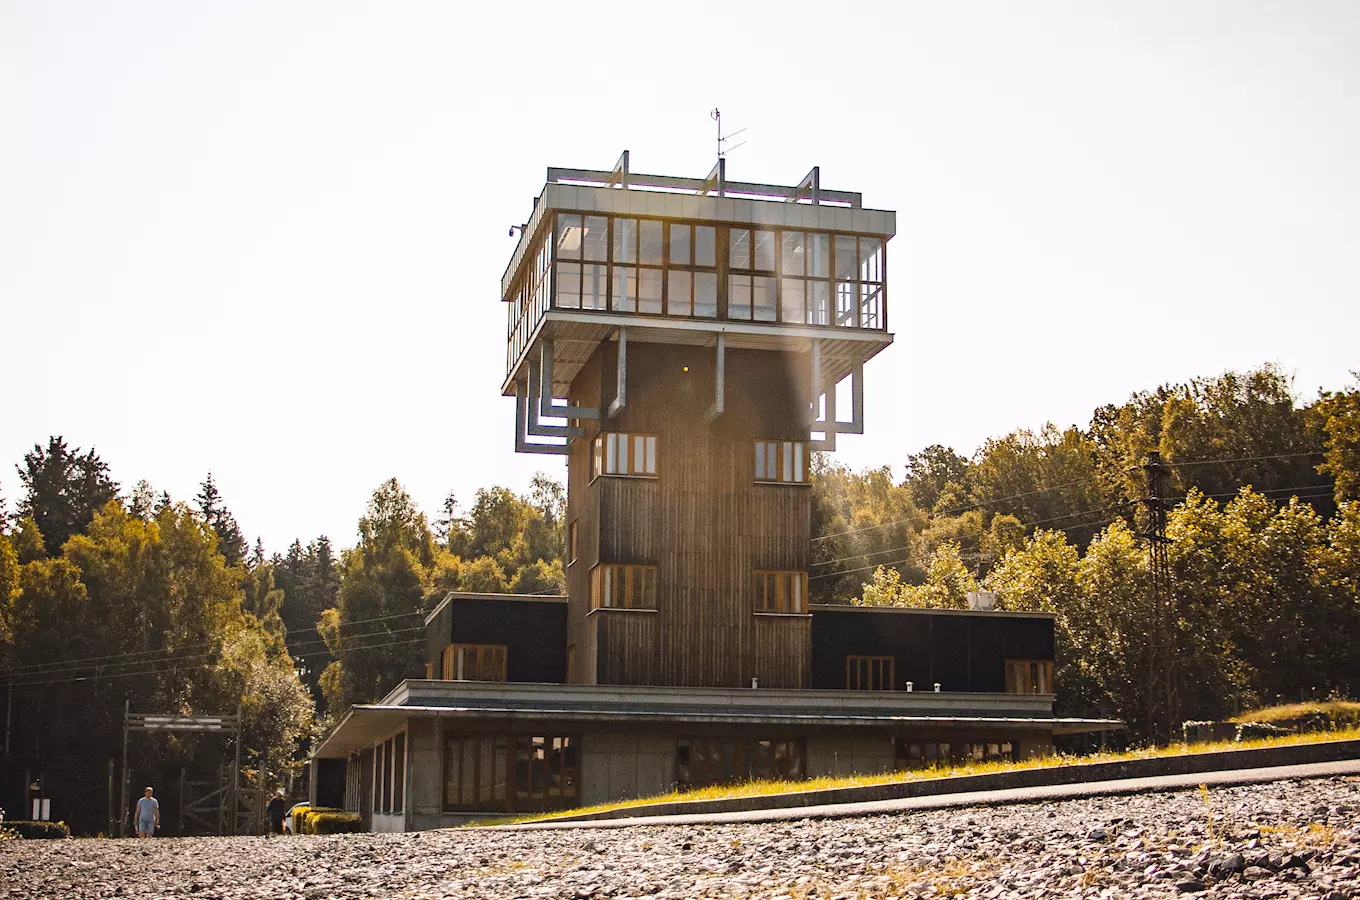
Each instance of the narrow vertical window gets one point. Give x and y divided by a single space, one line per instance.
781 462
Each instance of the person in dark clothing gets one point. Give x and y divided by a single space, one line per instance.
275 811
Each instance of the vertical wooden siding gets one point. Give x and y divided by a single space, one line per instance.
703 522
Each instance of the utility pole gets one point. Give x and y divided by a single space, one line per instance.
123 808
1163 703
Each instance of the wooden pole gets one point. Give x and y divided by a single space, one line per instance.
259 804
112 821
236 773
181 801
123 807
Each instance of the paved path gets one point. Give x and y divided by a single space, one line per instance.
1157 784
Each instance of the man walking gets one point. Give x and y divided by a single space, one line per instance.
148 815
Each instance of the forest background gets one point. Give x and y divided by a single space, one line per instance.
111 596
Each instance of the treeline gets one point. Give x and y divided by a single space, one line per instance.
1264 602
111 600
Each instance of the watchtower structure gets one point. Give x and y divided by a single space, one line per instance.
680 341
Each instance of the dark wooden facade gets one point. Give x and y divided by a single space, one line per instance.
532 629
703 520
963 651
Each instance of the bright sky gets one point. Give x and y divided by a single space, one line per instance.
265 238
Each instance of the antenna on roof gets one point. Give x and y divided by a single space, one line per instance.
723 150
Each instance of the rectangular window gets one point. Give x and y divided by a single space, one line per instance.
1029 676
781 462
620 453
387 776
623 587
475 662
781 591
704 760
571 541
869 673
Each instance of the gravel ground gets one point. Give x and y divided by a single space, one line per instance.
1287 839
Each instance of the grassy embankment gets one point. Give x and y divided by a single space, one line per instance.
1309 716
827 782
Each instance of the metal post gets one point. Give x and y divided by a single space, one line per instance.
259 804
236 772
181 801
123 792
112 820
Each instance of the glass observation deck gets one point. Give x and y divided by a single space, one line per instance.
678 259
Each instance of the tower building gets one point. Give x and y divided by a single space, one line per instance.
685 343
681 341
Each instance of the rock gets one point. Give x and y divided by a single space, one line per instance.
1190 886
1256 873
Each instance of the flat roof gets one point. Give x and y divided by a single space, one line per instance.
931 611
614 705
473 595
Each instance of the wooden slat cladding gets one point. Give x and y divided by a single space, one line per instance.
783 651
703 521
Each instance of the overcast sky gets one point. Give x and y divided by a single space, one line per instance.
266 238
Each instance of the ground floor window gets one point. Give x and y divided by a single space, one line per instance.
920 754
702 761
514 773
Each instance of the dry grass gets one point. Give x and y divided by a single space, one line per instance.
829 782
1341 712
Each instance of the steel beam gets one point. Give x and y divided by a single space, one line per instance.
719 379
621 390
533 427
521 421
546 409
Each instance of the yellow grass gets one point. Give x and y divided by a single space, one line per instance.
826 782
1339 711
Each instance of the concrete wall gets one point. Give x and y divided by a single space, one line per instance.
863 754
424 775
620 766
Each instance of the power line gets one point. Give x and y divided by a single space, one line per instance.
52 668
130 653
1205 462
161 671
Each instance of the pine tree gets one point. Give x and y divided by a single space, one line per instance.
64 490
231 543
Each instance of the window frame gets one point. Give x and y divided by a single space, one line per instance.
1029 673
631 573
599 454
783 582
871 671
788 454
454 661
560 772
572 538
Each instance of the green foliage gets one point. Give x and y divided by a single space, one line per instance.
946 585
1340 418
36 831
64 489
231 543
324 820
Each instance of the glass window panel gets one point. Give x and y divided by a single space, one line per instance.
870 305
639 460
468 781
819 302
486 769
845 303
792 254
705 245
568 237
625 289
764 297
819 255
568 286
798 462
847 265
706 294
649 291
649 242
594 293
651 456
794 301
610 457
625 240
797 593
771 460
739 296
678 293
870 259
786 473
739 245
453 752
763 243
760 460
596 240
680 245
